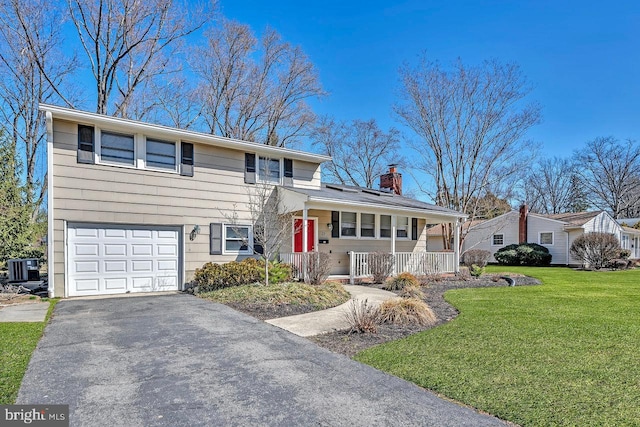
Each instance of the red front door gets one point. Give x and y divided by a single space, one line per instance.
297 236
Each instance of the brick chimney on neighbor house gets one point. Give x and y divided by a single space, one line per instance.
392 180
522 224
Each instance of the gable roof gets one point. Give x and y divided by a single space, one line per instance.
368 197
128 125
578 218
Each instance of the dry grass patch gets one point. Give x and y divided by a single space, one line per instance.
406 311
412 292
362 317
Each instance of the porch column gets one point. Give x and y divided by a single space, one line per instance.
456 247
304 229
394 224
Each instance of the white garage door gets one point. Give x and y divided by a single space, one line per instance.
105 259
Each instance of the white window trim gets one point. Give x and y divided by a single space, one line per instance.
375 225
540 238
408 237
250 243
379 229
139 151
176 147
259 177
357 235
493 242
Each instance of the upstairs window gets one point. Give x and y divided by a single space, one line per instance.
367 225
117 148
269 170
161 154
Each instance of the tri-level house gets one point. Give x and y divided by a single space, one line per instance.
138 207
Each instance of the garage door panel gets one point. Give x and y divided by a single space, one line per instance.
167 250
88 285
167 265
141 250
115 284
141 234
87 266
145 266
115 266
113 249
86 249
115 233
111 259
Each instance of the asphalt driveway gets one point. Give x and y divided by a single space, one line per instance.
175 360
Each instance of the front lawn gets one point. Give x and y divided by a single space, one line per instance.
17 342
279 300
564 353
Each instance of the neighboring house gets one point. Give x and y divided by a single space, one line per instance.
555 232
136 207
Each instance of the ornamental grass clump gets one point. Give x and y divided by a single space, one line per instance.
407 311
362 317
401 281
411 292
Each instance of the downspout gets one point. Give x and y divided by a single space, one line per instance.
567 247
50 235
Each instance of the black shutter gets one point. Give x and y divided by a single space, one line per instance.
288 172
215 237
249 168
414 228
335 224
86 144
186 160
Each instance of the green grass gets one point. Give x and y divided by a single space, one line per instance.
320 297
17 342
562 354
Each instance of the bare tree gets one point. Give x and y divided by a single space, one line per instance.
129 43
549 188
471 125
489 206
360 150
271 220
33 70
255 90
609 171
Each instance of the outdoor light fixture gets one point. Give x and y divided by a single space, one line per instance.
194 232
330 226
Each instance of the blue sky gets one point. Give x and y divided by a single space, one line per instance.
582 57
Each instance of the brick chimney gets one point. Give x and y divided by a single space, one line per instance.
522 224
392 180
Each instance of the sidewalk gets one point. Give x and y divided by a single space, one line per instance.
319 322
29 312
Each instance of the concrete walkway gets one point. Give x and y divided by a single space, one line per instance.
28 312
332 319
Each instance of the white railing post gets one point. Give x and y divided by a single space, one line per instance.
352 262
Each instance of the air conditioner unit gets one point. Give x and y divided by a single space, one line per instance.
23 270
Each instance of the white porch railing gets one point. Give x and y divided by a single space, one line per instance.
417 263
297 261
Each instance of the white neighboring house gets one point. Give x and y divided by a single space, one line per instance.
555 232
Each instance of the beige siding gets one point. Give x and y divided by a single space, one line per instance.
125 195
339 248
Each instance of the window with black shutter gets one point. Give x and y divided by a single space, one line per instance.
186 159
86 144
250 168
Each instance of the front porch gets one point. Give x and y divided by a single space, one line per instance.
416 263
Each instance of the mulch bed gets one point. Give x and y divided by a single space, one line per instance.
350 344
